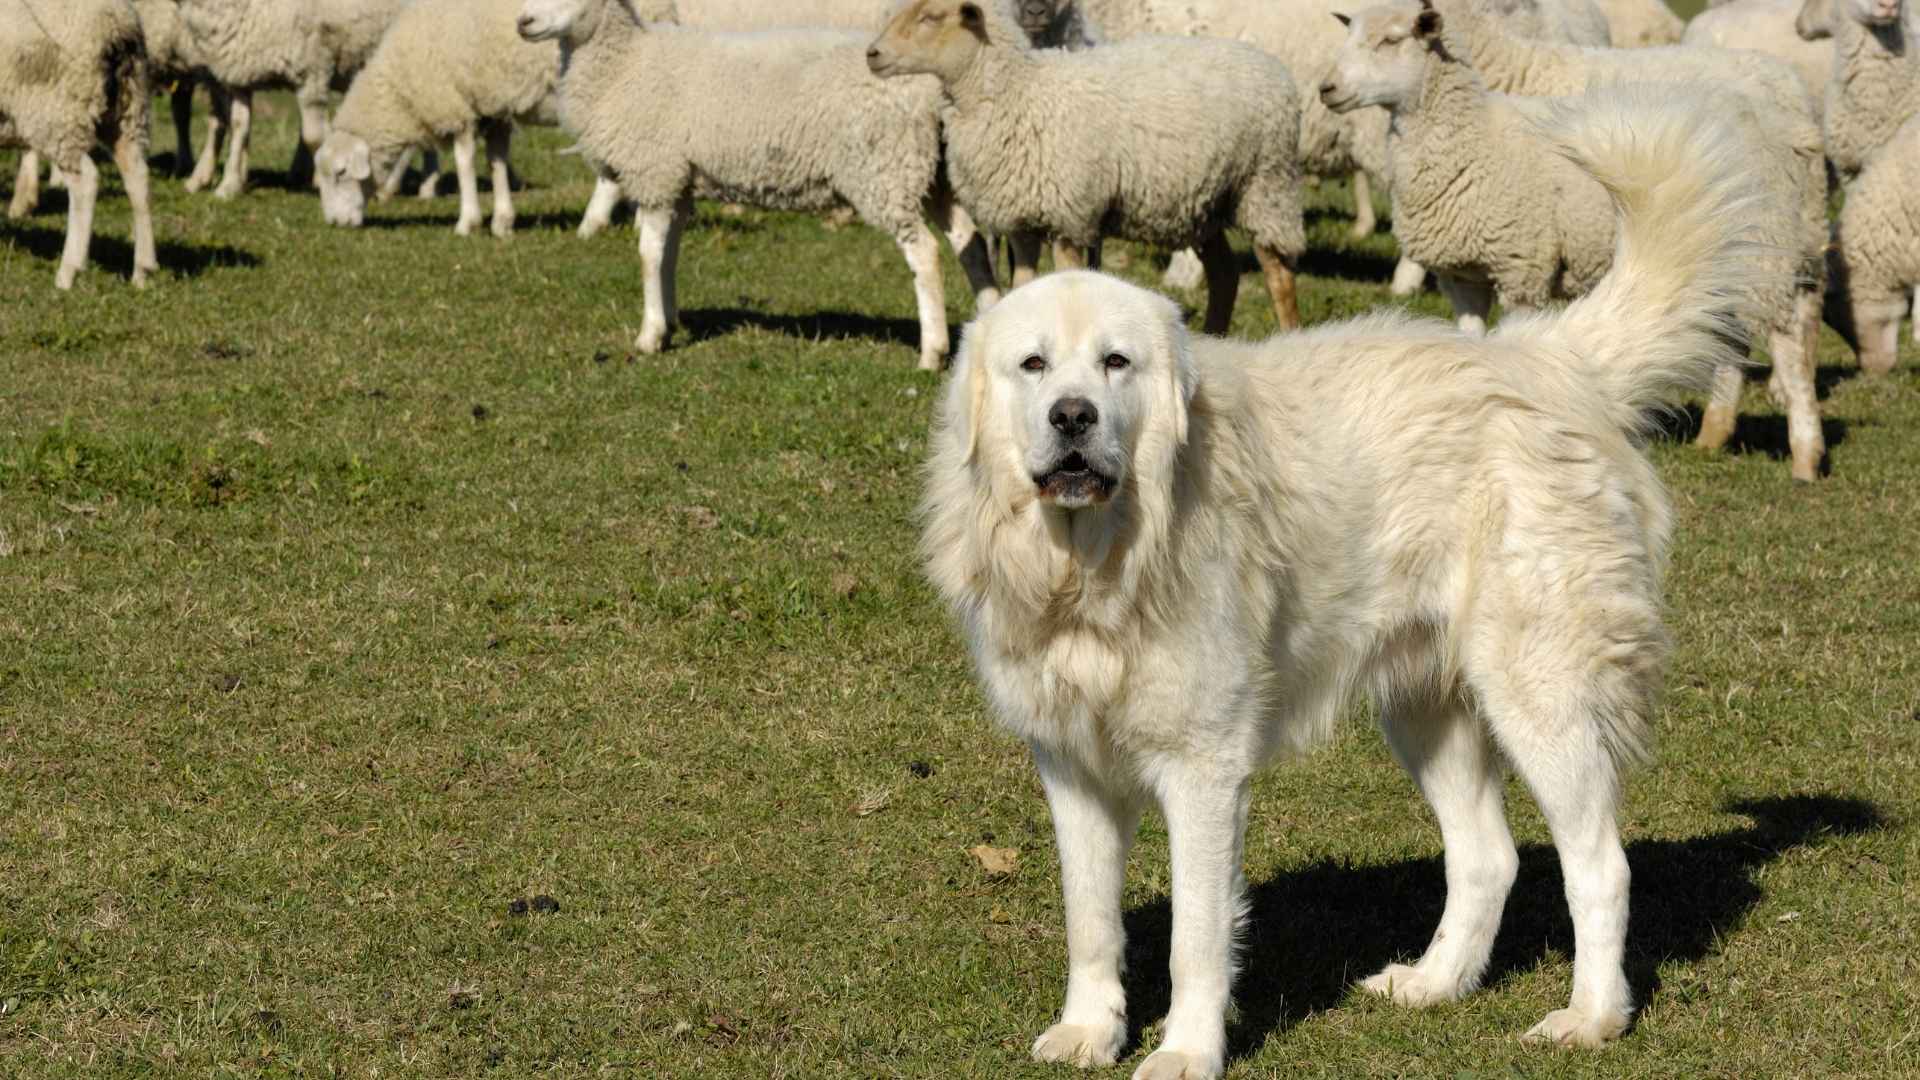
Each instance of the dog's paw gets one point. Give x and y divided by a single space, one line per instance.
1174 1065
1082 1045
1407 985
1572 1027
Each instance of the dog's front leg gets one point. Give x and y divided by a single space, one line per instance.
1094 826
1206 813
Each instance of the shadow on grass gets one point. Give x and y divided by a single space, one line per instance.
115 253
1318 929
1343 263
1751 434
815 326
566 220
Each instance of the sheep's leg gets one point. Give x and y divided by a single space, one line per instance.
1795 374
653 226
970 246
131 159
1184 271
1722 413
922 250
1408 277
1472 302
1278 269
313 132
1364 220
670 260
1914 312
56 177
463 155
26 186
181 101
83 186
600 208
1023 248
1067 256
219 105
1223 282
430 181
1876 325
499 146
239 142
391 183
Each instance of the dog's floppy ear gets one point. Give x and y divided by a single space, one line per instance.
963 412
1180 379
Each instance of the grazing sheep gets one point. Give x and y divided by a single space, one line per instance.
1875 83
1161 140
73 76
786 119
447 69
1477 196
1636 24
1765 26
173 59
312 46
1875 258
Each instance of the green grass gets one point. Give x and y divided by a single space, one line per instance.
354 585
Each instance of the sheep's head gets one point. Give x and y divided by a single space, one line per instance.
1384 59
1037 16
1871 12
930 37
572 20
343 167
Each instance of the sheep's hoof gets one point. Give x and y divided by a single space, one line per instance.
63 278
651 341
226 192
502 227
1361 230
465 227
1716 427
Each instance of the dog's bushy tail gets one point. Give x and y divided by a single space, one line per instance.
1686 264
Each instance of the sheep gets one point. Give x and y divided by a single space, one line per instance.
1875 257
1162 140
313 46
172 58
787 119
1875 83
447 69
72 76
1480 197
1636 24
1765 26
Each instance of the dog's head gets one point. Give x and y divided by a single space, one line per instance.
1070 387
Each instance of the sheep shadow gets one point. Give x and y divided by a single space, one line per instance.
114 254
544 220
1752 434
1344 263
705 323
1315 930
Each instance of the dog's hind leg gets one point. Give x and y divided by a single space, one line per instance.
1094 828
1452 760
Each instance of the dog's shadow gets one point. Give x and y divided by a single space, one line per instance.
1316 930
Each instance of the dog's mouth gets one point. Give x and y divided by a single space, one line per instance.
1074 482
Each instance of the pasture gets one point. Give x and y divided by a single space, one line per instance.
360 589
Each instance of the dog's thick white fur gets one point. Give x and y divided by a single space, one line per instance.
1174 559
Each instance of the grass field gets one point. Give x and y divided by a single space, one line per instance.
357 585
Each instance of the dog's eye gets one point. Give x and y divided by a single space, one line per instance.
1033 363
1114 361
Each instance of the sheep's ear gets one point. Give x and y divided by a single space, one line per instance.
1345 20
974 20
1427 23
360 162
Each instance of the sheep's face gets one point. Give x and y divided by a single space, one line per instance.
929 37
1873 12
550 20
343 166
1384 59
1037 16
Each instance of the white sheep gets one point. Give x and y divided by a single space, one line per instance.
1161 140
73 75
1875 83
1636 24
1765 26
1478 197
446 70
785 119
312 46
1875 257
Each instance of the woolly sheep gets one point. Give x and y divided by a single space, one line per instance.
1480 197
312 46
1875 258
1765 26
1875 83
72 76
1049 24
787 119
1162 140
447 69
1636 24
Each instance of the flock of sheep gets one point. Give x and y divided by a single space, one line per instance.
1161 121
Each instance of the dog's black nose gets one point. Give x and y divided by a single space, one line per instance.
1071 416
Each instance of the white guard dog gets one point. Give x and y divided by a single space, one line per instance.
1175 559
